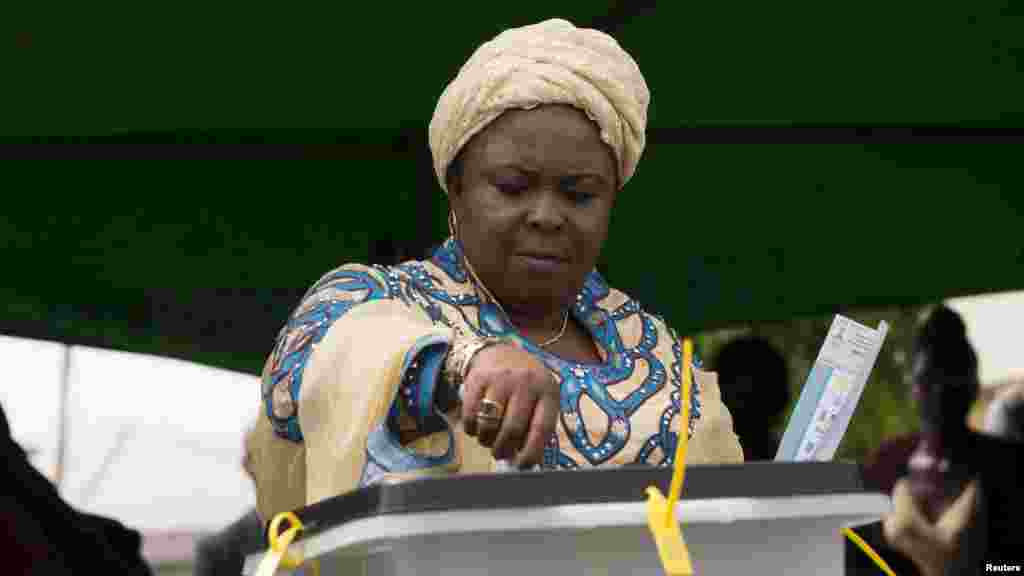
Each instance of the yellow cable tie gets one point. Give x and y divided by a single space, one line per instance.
853 536
277 554
661 511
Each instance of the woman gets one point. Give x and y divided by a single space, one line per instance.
957 508
505 344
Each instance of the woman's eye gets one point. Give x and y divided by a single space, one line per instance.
512 186
511 189
577 191
581 198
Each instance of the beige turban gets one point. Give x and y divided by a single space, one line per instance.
552 62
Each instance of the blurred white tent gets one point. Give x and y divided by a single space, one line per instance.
993 324
153 442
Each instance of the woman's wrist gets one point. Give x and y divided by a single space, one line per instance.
460 356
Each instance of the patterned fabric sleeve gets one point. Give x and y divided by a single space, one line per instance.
335 294
423 393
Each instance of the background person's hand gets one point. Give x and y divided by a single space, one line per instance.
519 382
1004 417
930 546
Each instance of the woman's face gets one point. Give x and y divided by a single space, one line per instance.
533 202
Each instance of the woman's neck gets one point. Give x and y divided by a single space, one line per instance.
540 323
528 320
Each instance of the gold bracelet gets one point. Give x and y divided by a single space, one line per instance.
463 349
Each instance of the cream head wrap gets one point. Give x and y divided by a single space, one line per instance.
552 62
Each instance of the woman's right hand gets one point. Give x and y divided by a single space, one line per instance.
528 392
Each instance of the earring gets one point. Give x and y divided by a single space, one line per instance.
452 223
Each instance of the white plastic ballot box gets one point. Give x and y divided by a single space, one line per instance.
761 518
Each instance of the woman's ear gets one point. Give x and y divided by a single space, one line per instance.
453 176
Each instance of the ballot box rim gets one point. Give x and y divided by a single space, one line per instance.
382 534
569 487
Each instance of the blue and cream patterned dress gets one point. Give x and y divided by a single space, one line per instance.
624 409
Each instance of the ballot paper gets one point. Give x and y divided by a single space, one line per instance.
832 390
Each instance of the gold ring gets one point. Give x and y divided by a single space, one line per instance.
488 424
490 411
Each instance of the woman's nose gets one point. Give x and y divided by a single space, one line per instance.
545 213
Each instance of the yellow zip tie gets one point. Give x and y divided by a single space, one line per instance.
661 512
853 536
277 555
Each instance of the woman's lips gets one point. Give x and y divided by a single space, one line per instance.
542 263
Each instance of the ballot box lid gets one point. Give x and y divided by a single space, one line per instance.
569 487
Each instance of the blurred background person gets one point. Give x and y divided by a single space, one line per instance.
754 380
943 383
955 491
956 509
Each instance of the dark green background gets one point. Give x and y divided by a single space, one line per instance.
93 68
202 259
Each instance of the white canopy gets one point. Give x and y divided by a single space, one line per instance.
153 442
994 323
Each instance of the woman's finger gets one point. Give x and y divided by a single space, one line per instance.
487 430
542 426
472 391
515 424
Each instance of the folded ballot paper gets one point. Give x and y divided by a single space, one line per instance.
832 391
